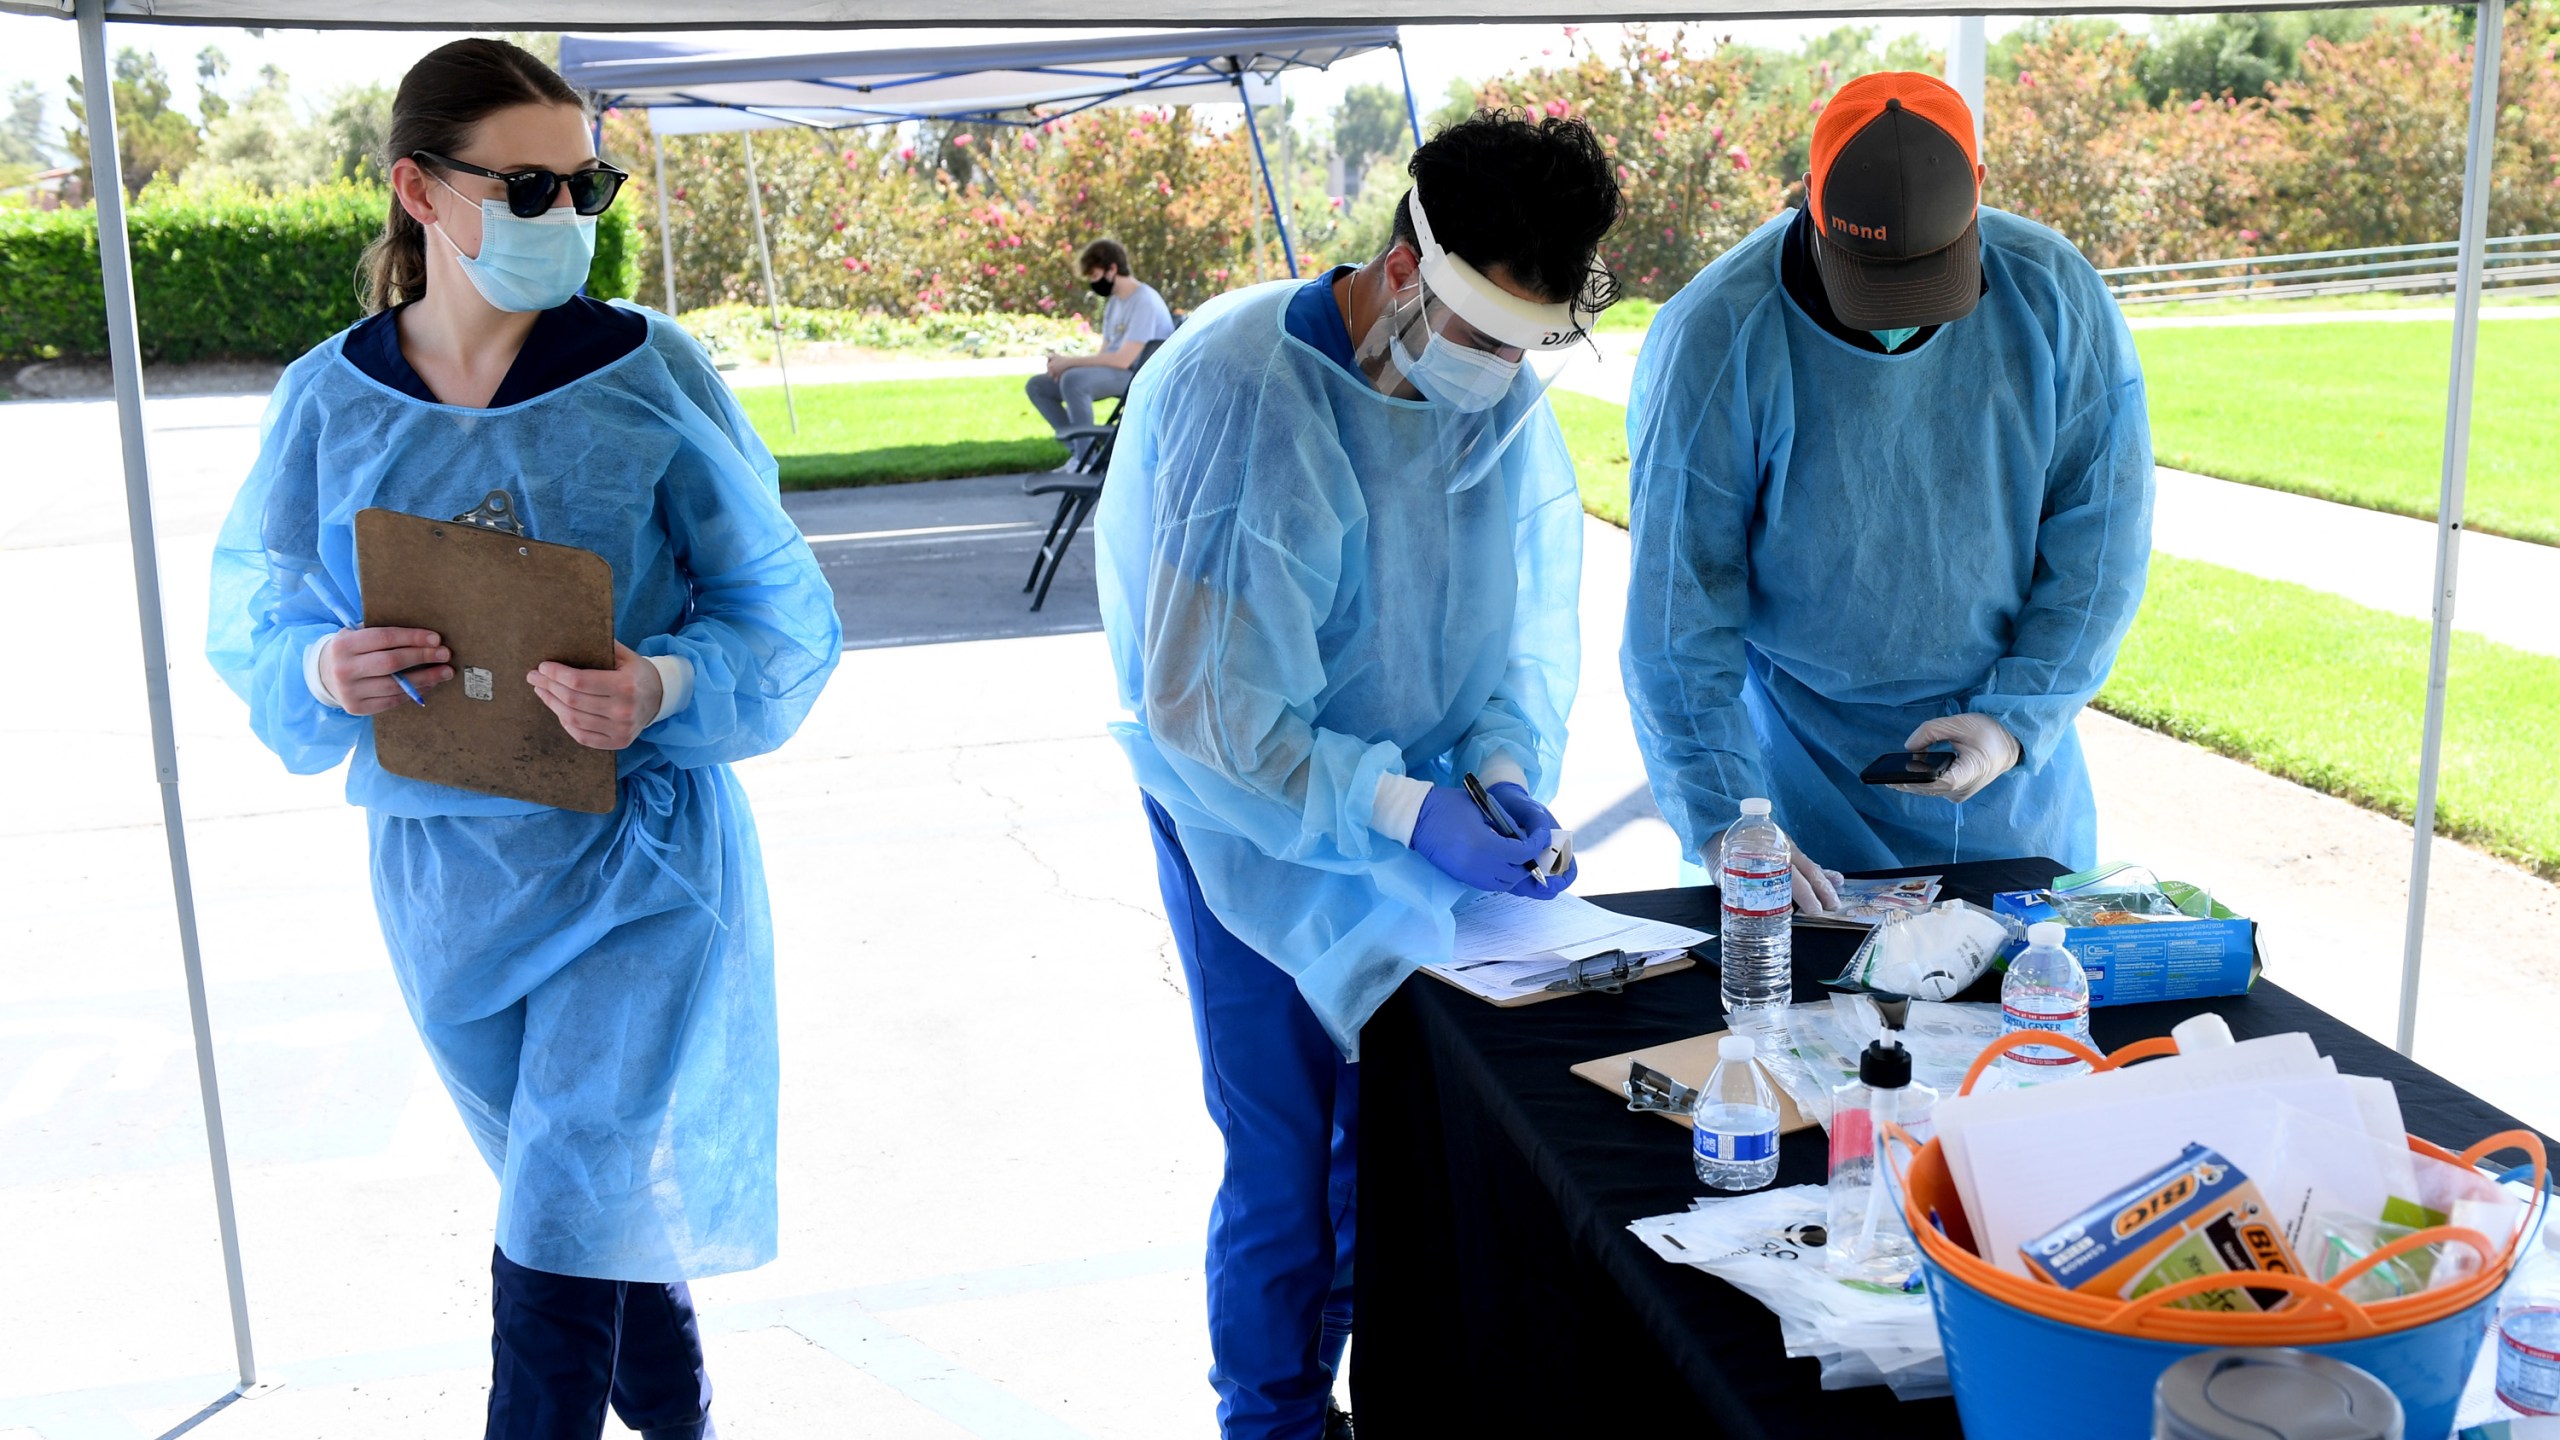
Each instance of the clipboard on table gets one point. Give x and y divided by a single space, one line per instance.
1685 1064
503 603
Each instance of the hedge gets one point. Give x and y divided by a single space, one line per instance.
241 278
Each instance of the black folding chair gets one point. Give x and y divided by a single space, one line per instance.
1078 490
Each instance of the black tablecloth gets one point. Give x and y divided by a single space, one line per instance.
1499 1291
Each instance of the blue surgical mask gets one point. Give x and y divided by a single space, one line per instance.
1459 376
1892 340
527 264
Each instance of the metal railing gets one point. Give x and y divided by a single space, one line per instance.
2517 264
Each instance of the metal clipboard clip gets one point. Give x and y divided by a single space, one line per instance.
495 512
1649 1089
1607 972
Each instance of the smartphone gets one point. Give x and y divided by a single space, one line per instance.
1908 767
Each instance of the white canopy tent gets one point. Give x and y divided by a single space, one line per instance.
124 348
710 83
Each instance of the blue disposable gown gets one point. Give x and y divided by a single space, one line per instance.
1832 546
1299 603
596 990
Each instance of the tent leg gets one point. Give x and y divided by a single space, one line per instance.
772 300
2488 40
666 237
124 349
1288 252
1412 116
1967 63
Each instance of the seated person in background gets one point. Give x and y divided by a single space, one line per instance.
1132 315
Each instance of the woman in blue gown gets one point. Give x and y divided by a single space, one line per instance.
596 991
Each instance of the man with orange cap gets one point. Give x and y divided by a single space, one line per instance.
1892 491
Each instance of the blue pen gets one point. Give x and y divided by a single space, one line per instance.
313 581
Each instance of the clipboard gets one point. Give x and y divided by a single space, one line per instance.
503 603
1689 1062
1596 982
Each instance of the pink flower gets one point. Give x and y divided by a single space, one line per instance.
1048 302
1334 202
1715 204
1660 135
1716 136
1558 108
1030 142
1815 108
852 264
1740 160
2249 235
1668 235
2027 78
1019 268
1624 172
907 153
679 192
963 139
1661 57
2195 105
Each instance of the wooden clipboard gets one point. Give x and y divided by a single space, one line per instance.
1690 1062
503 604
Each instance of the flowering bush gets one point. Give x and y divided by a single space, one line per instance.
1684 142
898 222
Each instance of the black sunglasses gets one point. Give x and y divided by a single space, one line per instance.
529 192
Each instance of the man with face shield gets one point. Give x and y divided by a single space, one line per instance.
1891 491
1338 559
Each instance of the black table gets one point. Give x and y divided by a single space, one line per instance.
1499 1290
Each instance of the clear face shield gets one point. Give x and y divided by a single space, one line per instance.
1479 356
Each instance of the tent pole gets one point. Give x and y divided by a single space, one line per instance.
1412 116
2487 41
666 237
773 301
124 351
1967 63
1288 252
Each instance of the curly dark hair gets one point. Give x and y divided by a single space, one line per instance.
1532 196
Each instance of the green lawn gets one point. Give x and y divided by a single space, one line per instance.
2355 412
2330 695
2301 684
894 430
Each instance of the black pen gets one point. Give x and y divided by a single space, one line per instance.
1495 816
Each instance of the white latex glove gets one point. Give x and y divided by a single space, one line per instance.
1817 890
1985 751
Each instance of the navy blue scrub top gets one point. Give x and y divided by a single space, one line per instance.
568 342
1314 318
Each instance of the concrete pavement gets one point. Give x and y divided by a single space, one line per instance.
996 1166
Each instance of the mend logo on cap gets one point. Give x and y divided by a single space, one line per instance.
1894 190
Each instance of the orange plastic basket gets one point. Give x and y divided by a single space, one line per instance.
2326 1315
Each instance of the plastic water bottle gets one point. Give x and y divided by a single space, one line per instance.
2529 1331
1734 1130
1757 872
1869 1242
2045 990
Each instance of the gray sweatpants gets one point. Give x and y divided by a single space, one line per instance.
1069 400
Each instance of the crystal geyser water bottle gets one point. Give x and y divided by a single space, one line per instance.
2045 989
1757 872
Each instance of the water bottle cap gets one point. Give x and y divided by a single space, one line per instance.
1736 1047
2046 935
1755 806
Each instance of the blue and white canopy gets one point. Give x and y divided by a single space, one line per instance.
740 80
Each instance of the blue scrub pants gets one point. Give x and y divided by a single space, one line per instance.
565 1345
1280 1237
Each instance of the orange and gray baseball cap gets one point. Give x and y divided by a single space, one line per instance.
1894 192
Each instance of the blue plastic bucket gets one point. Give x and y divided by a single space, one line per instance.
2021 1376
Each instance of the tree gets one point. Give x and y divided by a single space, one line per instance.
211 66
260 144
2208 56
1370 123
155 139
22 137
352 130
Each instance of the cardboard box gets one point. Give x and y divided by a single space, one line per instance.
2155 960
